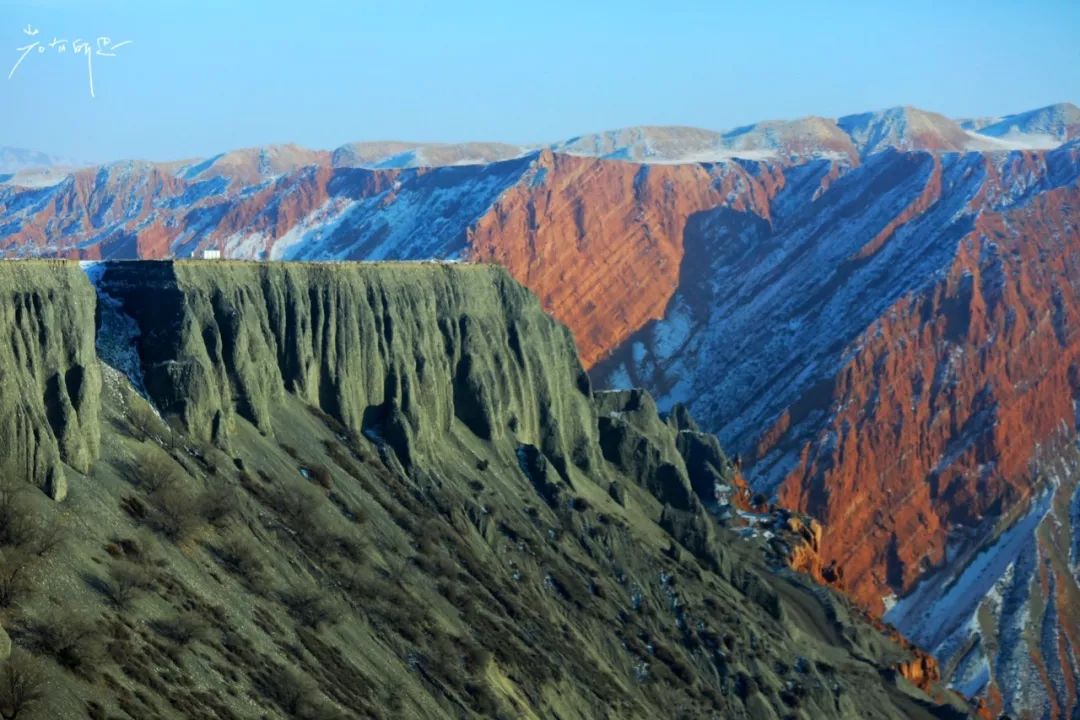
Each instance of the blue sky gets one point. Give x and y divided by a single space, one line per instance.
201 76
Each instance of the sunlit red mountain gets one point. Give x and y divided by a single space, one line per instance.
880 313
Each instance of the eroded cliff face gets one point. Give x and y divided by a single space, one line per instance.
957 384
50 384
599 242
414 353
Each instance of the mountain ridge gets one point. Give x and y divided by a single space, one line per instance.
901 127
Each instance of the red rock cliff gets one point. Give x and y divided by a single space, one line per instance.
599 242
938 413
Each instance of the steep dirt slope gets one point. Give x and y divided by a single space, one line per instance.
498 542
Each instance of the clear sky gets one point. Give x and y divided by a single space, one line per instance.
202 76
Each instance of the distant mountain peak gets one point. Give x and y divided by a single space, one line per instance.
1056 123
905 128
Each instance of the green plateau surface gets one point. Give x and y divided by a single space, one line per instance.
240 490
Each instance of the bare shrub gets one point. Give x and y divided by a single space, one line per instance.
144 422
239 555
46 536
300 507
219 504
154 469
26 535
23 686
175 511
312 607
15 565
72 640
15 516
126 581
139 549
185 628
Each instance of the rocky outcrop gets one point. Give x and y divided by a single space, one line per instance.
714 477
922 670
634 438
50 383
804 551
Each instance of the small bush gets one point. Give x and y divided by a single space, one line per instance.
145 424
570 587
185 628
300 508
675 663
22 528
219 504
312 607
444 661
175 512
321 475
239 555
357 581
139 549
294 693
153 469
72 640
126 581
398 568
15 516
23 685
342 458
47 536
477 658
248 481
14 575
